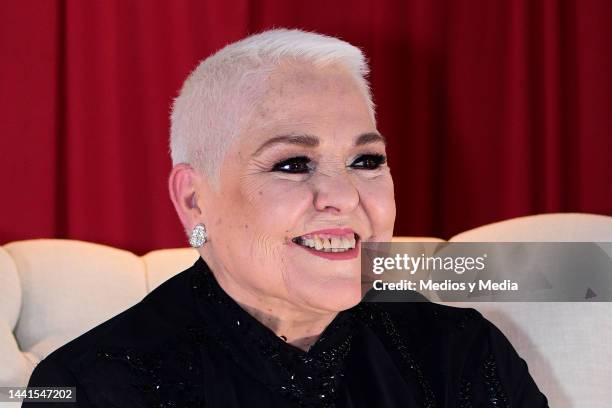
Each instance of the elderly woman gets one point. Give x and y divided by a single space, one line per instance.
279 175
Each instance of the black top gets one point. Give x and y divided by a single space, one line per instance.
188 344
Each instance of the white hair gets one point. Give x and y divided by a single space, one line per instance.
218 96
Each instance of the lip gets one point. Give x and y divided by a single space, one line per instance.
333 256
332 231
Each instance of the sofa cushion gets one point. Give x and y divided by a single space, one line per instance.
564 227
162 264
565 343
15 365
68 287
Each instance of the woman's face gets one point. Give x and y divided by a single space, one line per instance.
310 160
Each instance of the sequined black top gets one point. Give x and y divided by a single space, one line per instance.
188 344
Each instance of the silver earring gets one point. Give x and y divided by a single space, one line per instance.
198 236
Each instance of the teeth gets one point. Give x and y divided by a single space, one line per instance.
344 242
318 244
336 242
328 244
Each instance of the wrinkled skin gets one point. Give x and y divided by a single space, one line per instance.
259 208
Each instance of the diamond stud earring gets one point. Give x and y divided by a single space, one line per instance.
198 236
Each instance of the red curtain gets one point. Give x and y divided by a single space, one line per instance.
493 109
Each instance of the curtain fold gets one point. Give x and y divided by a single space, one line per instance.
493 109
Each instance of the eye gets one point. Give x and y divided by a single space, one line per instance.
295 165
369 161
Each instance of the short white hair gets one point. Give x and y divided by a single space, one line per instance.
218 96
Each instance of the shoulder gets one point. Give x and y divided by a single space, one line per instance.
144 329
463 332
459 347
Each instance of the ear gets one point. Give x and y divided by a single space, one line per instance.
183 186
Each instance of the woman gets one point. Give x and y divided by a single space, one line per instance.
279 175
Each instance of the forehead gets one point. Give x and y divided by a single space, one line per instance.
304 97
306 77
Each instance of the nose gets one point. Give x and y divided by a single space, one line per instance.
335 192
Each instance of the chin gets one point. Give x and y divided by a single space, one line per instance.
337 295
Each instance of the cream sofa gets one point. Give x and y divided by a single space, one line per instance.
51 291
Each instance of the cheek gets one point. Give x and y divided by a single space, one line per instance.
378 200
276 206
276 211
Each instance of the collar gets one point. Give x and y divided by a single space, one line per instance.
309 378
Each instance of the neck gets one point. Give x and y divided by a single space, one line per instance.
301 331
298 326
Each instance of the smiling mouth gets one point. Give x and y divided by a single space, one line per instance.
327 242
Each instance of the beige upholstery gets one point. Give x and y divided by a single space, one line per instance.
162 264
14 365
51 291
565 227
568 346
417 239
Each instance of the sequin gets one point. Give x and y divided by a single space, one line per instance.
495 392
380 320
310 380
466 317
171 375
147 379
464 398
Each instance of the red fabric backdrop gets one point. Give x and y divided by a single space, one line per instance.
493 109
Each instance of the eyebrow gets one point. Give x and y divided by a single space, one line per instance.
307 140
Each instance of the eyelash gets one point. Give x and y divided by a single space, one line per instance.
378 160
